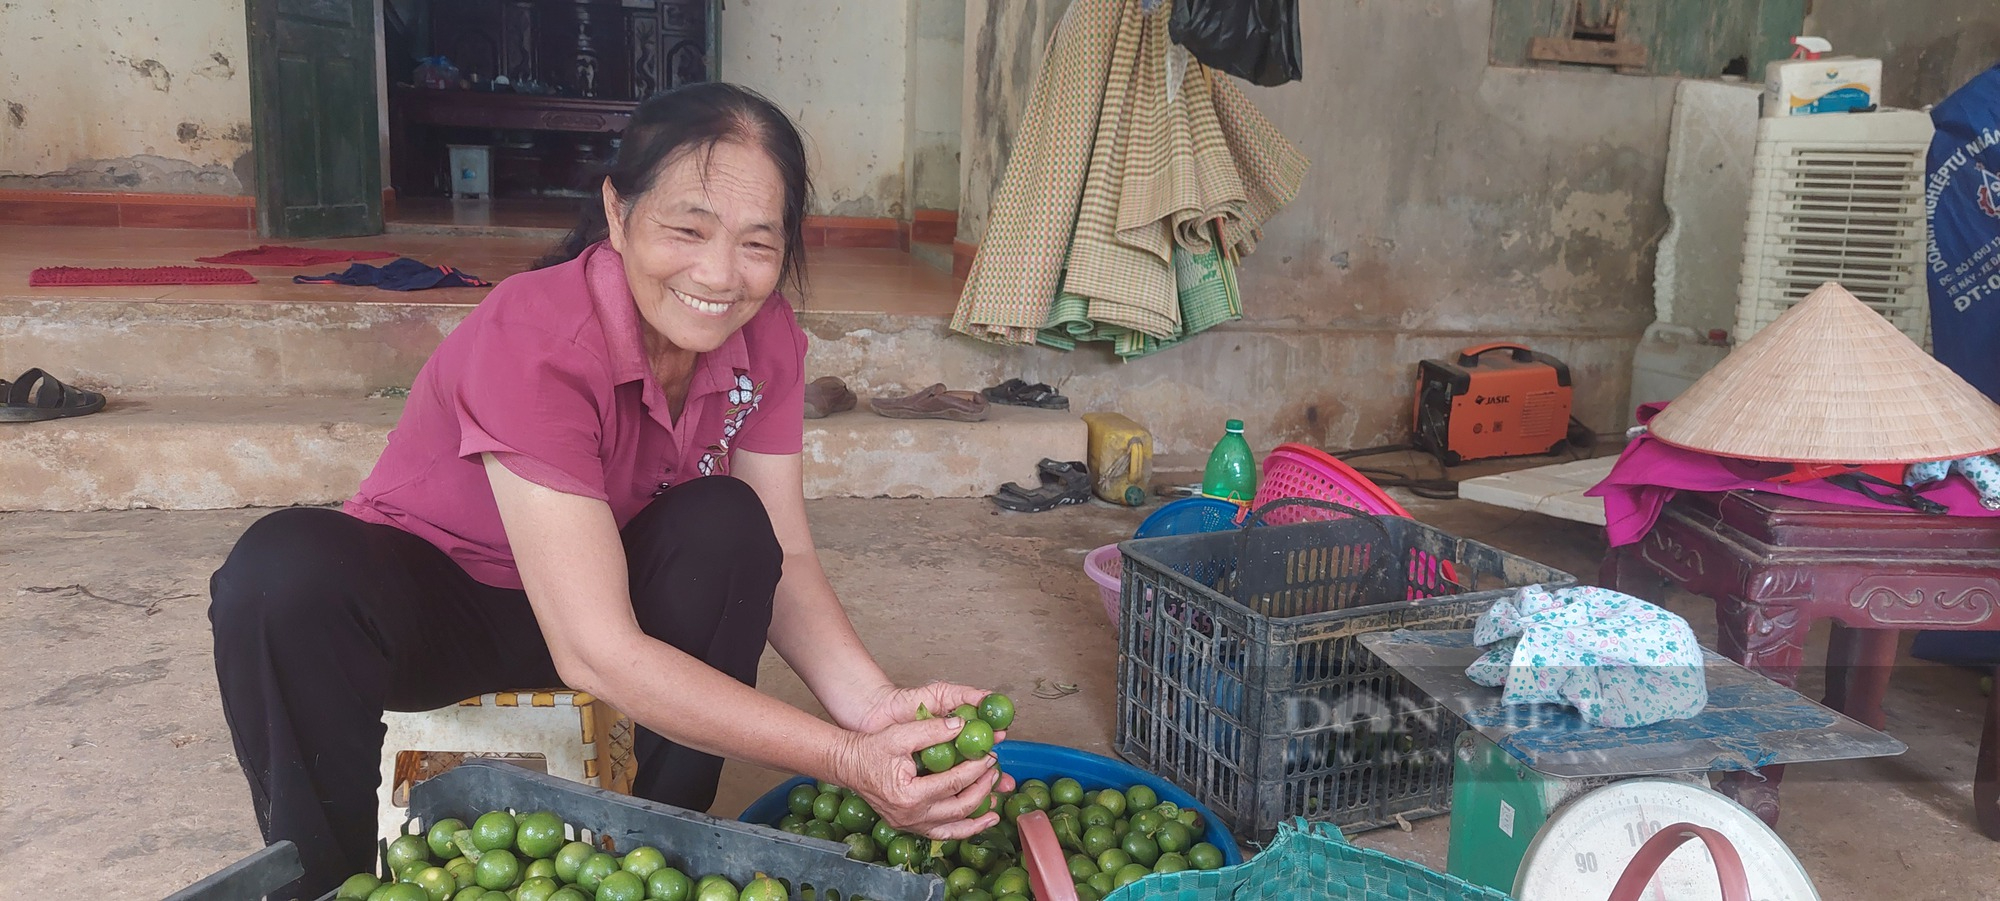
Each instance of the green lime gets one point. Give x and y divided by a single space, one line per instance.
407 851
537 889
400 891
1205 856
1174 837
1112 800
1068 829
1167 810
540 835
903 850
821 831
1122 827
715 888
762 888
570 859
1011 896
357 887
439 883
985 804
440 838
861 847
1081 866
938 757
855 815
1095 815
826 806
976 895
1017 805
1145 822
975 741
1101 883
540 869
462 871
960 881
1170 863
1141 797
997 710
1067 791
800 799
823 788
978 855
642 861
621 886
493 830
1040 795
474 893
595 867
965 712
498 870
567 893
668 884
1191 818
1142 848
883 834
1084 892
1013 881
1099 839
1129 874
1111 860
792 824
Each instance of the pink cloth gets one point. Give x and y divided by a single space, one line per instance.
550 374
1650 470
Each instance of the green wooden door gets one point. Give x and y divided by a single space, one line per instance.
313 113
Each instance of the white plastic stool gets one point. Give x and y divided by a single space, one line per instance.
577 737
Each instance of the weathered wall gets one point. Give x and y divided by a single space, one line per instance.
1004 40
936 68
1449 203
1928 48
122 96
838 67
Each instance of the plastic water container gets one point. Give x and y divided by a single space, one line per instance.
471 170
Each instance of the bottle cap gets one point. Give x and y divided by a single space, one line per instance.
1234 425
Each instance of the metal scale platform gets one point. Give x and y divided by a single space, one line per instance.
1549 808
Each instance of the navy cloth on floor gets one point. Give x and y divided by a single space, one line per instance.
1974 649
404 274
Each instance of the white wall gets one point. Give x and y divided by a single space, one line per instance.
125 96
838 68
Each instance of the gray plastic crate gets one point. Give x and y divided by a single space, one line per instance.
1241 680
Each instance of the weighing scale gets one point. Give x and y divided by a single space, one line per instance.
1550 808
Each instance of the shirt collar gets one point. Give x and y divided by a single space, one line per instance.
604 273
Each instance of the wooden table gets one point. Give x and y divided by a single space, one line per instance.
411 109
1774 565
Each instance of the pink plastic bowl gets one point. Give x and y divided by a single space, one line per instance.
1104 566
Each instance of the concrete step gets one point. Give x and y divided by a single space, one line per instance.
204 453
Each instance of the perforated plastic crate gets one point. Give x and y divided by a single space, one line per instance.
1241 679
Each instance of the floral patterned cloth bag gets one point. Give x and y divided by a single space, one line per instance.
1618 660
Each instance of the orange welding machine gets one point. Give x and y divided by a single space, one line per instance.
1492 406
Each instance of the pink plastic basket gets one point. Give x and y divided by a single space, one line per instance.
1298 470
1106 567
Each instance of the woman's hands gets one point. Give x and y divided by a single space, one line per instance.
899 705
876 762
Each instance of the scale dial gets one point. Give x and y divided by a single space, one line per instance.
1584 848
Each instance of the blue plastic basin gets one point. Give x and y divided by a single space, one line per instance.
1026 760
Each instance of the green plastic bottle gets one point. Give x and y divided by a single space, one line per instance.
1232 470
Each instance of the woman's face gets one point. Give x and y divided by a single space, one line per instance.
704 248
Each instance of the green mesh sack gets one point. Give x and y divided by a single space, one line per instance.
1309 861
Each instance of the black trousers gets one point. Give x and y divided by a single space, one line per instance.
323 621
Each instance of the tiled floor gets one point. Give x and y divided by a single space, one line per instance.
840 279
526 212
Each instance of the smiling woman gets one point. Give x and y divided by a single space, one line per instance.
596 482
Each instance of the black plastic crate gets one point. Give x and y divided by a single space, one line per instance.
697 843
1241 679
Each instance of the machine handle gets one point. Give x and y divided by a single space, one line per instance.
1470 355
1728 864
1048 869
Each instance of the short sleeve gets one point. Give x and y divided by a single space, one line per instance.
529 399
778 426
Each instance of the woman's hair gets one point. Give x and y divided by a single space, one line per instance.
693 119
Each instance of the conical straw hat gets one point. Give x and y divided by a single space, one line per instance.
1831 381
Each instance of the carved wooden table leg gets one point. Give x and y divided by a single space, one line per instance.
1858 664
1769 640
1986 776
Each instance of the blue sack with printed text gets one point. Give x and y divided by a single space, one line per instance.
1962 198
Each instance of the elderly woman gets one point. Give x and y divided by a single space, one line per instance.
596 482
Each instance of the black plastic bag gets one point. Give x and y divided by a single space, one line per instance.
1255 40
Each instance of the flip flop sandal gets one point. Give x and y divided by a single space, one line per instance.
933 403
1017 393
1062 485
826 396
37 397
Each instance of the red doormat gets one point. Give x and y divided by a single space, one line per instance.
280 255
75 276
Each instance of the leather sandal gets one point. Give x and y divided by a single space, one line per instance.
1017 393
826 396
37 397
933 403
1062 485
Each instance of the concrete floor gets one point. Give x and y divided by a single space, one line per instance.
121 782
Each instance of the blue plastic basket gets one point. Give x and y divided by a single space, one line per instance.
1190 516
1026 760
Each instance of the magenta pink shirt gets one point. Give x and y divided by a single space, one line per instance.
550 375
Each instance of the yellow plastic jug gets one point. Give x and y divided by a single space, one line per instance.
1121 458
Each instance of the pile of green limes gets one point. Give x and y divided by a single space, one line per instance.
993 714
1113 837
524 857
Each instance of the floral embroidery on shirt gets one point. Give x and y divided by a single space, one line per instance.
744 397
